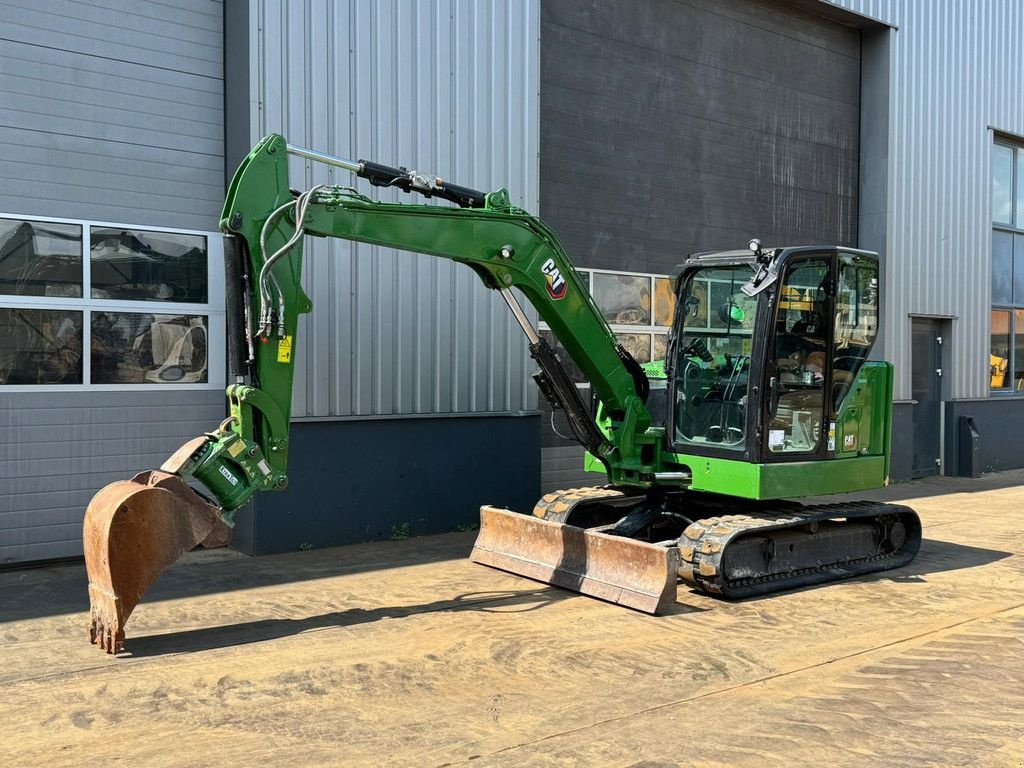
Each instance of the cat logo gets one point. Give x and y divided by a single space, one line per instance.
556 283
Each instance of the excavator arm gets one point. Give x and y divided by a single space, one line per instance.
134 529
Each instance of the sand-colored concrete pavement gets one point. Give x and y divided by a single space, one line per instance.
405 653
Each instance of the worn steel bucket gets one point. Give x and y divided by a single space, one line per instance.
133 530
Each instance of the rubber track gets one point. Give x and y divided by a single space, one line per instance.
557 505
705 542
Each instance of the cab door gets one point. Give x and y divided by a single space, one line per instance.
797 407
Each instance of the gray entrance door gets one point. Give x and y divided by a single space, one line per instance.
926 353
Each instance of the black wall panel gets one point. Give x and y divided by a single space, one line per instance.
355 481
670 127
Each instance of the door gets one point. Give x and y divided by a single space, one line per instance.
798 361
926 385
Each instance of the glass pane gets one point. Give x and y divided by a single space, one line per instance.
40 346
573 370
660 346
147 266
1002 267
132 348
638 345
1018 351
856 321
713 363
664 302
623 299
999 360
797 359
1018 270
1020 188
1002 184
38 258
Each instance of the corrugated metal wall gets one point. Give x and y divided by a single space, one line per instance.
113 111
124 97
956 73
446 86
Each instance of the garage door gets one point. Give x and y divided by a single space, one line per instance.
671 127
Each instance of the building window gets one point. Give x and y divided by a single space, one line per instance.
638 307
1006 338
136 299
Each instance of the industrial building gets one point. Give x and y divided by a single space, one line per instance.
640 131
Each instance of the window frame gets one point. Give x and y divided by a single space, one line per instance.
212 310
1011 229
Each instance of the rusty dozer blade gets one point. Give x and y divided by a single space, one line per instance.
133 530
624 571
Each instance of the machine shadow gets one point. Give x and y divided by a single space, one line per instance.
938 556
929 487
244 633
935 557
53 590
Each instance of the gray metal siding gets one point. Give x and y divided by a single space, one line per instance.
955 72
440 86
58 449
112 110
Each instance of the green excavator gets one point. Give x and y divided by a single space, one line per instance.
767 394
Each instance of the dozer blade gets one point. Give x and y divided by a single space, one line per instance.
624 571
133 530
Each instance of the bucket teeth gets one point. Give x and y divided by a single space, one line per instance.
107 635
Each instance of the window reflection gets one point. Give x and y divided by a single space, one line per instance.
133 348
147 266
1002 183
999 357
623 299
856 323
664 301
637 344
40 258
797 360
660 346
713 359
40 346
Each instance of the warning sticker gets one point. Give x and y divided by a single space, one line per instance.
284 350
831 435
776 438
236 448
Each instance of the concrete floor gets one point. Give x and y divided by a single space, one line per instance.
404 653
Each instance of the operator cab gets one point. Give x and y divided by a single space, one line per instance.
765 346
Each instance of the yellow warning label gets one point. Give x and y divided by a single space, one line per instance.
284 350
236 448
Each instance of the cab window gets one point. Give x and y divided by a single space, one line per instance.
797 359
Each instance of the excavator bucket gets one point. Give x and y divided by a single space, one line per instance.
614 568
133 530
